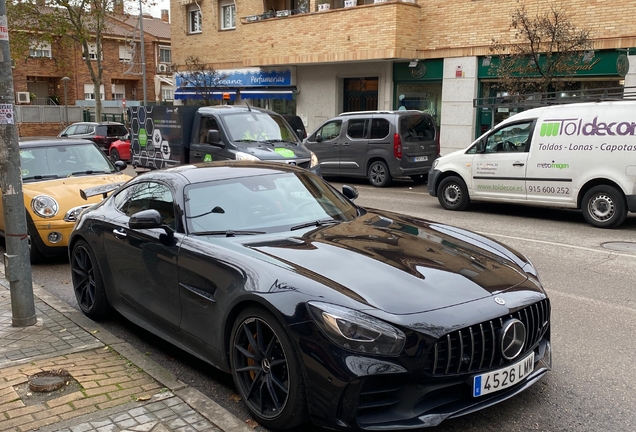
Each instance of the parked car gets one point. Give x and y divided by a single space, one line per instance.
379 145
101 133
53 171
297 125
120 149
319 308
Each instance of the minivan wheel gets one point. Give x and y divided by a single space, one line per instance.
379 175
452 194
604 207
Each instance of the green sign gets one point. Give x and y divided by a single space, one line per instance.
207 158
422 70
286 153
591 63
143 137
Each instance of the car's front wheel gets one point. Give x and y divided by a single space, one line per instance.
604 207
87 282
452 193
266 370
114 155
378 174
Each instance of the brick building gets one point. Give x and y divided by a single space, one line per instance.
298 57
37 78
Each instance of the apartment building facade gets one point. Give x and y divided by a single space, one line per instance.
348 55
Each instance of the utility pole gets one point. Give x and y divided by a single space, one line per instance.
17 264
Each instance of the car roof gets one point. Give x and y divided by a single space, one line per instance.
97 123
221 170
398 112
52 142
220 109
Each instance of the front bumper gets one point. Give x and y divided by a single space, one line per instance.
433 175
43 229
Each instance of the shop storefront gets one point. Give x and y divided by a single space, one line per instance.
418 86
597 70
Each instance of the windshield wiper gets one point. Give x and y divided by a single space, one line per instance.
88 172
227 233
41 177
317 223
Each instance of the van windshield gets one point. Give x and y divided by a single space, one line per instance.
255 126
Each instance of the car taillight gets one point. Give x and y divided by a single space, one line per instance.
397 146
99 137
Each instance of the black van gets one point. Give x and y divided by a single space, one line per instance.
379 145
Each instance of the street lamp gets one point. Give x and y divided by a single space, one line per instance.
65 80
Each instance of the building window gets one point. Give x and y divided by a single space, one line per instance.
125 53
92 51
167 94
40 49
228 14
118 91
165 54
89 94
194 20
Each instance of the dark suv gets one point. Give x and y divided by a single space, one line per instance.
379 145
101 133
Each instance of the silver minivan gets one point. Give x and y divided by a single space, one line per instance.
378 145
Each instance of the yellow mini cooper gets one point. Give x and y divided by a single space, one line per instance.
53 172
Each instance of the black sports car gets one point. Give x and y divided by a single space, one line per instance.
351 317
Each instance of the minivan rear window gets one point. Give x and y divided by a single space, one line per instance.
417 128
356 128
379 128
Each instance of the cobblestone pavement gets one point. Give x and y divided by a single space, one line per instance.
109 386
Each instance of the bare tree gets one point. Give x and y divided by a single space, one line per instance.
198 77
546 51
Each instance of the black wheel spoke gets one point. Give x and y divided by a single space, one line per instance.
279 384
252 342
272 392
254 385
278 362
249 369
260 336
245 352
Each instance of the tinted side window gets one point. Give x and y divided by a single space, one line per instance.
355 129
116 130
330 130
146 196
207 124
417 128
379 128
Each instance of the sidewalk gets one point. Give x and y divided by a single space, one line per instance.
113 387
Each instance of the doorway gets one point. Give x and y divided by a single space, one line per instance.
360 94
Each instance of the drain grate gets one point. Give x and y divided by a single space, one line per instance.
620 246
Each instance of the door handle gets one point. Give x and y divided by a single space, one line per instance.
119 233
345 144
196 154
518 164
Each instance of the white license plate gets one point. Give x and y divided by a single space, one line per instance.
420 158
503 378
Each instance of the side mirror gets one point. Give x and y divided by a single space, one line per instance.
120 165
481 146
350 192
214 138
149 219
318 138
63 135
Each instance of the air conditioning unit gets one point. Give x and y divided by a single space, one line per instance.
163 68
23 97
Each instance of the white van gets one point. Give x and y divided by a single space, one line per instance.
579 156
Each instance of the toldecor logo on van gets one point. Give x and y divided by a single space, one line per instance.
574 126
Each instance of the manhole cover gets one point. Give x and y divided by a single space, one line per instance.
620 246
48 381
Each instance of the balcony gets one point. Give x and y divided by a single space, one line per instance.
378 31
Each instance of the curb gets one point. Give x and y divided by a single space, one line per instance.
209 409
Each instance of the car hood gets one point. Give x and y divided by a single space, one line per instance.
277 151
66 190
400 265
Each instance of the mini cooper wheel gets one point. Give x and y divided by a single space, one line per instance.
452 194
266 370
378 174
35 255
87 282
604 207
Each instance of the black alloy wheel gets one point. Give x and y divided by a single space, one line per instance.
114 155
379 175
266 370
87 282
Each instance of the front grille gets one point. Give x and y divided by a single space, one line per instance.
474 348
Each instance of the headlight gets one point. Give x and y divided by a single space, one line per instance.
246 156
314 159
73 214
435 162
44 206
357 331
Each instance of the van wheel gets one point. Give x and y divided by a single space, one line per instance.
379 175
604 207
452 193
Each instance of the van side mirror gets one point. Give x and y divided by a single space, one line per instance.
481 146
318 138
214 138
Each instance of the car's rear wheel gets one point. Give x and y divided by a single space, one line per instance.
114 155
452 193
604 207
87 282
378 174
266 370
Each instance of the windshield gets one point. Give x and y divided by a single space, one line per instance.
58 161
266 203
258 126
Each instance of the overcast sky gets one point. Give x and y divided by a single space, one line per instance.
152 6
